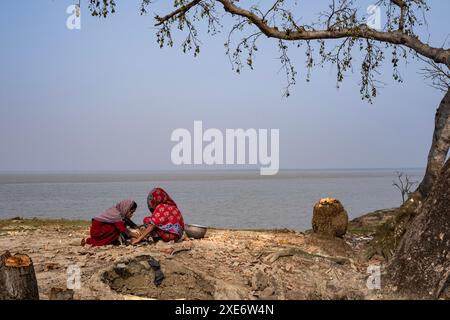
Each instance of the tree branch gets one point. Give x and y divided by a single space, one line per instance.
438 55
403 7
180 11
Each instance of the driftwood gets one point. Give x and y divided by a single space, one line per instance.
296 251
17 278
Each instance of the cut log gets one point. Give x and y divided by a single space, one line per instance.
330 218
17 278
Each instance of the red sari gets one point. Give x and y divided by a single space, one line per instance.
107 227
104 233
166 217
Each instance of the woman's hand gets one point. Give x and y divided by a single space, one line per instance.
135 233
143 234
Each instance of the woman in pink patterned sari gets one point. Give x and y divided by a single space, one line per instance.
166 222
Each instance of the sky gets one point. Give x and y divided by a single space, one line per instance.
107 98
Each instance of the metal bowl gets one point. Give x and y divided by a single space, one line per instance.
195 231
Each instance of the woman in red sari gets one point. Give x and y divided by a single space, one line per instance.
107 227
166 222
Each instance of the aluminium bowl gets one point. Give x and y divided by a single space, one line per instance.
195 231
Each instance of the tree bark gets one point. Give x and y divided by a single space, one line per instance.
439 146
421 265
17 278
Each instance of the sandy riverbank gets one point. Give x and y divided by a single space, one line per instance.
226 264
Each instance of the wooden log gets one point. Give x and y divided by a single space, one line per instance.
17 278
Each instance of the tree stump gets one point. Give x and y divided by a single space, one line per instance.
330 218
17 278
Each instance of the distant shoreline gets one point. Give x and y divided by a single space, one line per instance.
192 169
142 176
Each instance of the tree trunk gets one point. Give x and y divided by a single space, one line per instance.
439 146
17 278
421 265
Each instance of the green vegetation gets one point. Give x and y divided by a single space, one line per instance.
16 224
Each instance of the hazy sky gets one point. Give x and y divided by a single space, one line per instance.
106 97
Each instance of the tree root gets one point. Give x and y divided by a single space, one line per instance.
443 284
271 258
389 234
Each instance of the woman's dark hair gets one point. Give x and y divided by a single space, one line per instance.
133 206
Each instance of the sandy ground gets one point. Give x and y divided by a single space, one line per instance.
226 264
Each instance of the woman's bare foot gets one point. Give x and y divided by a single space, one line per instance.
83 242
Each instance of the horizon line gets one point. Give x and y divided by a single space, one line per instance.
194 170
